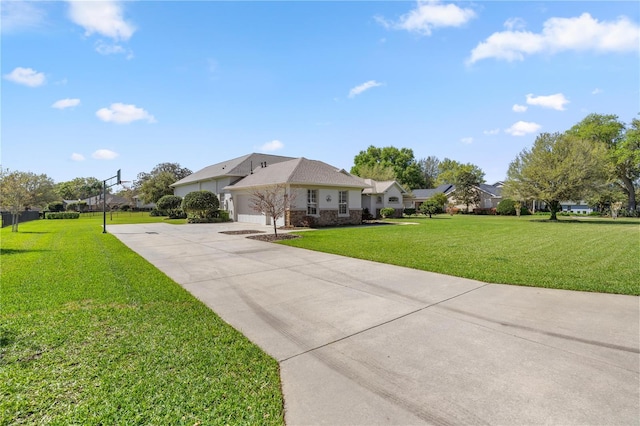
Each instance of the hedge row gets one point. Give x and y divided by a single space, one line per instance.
63 215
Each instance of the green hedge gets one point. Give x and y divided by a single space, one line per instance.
64 215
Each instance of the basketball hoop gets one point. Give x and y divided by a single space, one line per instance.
126 184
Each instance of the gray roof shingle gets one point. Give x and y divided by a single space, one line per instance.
299 171
240 166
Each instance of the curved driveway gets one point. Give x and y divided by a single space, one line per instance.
362 343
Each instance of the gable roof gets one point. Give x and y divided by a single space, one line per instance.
428 193
492 190
299 171
380 187
237 167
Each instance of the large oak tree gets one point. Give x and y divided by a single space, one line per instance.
156 184
623 149
559 167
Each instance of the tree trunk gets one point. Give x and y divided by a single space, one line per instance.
553 206
275 228
631 192
14 222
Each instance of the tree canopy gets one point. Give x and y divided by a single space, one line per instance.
430 169
78 188
623 148
405 167
448 171
467 179
154 185
558 167
22 190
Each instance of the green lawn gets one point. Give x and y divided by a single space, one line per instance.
588 254
91 333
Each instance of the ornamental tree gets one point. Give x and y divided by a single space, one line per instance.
273 201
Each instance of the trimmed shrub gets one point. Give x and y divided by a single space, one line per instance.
409 212
63 215
171 205
506 207
157 212
366 214
56 206
387 212
200 204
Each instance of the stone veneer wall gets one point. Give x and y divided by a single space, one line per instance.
326 218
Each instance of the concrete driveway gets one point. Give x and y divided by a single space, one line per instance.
362 343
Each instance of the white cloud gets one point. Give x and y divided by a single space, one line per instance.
101 17
519 108
104 154
20 15
274 145
467 140
514 23
77 157
583 33
522 128
556 101
123 114
112 49
66 103
491 132
363 87
26 76
596 91
429 15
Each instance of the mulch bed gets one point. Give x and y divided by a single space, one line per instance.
271 237
243 232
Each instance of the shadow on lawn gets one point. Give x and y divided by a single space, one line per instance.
8 251
590 221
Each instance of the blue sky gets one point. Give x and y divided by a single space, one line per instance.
92 87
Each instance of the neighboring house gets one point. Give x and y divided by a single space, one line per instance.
580 207
95 204
422 195
490 196
322 194
138 204
383 194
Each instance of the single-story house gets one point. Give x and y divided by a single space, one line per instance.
383 194
579 207
490 196
138 204
94 204
320 194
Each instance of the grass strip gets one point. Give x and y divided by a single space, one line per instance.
586 255
91 333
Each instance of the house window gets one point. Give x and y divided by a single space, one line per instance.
394 200
343 197
312 201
